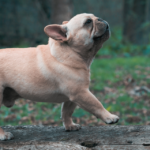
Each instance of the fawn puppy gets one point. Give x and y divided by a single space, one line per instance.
58 72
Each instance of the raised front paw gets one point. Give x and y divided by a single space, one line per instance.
111 119
6 136
72 127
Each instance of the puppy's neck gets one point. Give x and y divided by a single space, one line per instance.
66 55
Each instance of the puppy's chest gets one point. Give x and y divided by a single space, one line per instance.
57 73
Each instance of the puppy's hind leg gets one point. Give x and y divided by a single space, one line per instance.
66 113
4 135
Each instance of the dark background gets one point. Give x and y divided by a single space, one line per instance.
22 21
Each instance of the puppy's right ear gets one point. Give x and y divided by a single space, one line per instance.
56 32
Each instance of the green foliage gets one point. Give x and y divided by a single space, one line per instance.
114 70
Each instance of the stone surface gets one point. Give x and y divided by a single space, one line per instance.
94 138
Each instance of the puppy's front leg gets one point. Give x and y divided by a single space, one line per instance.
66 113
86 100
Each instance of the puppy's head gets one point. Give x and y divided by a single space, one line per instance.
84 32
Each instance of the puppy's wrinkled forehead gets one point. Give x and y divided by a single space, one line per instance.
79 20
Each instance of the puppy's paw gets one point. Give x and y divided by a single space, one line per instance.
6 136
111 119
72 127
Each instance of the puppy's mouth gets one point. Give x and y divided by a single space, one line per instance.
98 38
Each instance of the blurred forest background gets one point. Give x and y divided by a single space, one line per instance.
120 74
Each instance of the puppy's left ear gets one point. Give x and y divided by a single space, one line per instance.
56 32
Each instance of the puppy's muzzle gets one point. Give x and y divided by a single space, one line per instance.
105 29
105 22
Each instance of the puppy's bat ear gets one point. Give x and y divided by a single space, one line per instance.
65 22
56 32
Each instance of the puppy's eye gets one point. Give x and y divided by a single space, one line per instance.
88 21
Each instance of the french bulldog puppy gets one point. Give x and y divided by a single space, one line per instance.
58 72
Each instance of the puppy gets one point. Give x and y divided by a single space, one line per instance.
58 72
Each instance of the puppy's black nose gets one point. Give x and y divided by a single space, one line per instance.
107 27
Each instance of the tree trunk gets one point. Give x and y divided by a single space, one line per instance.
61 11
134 21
